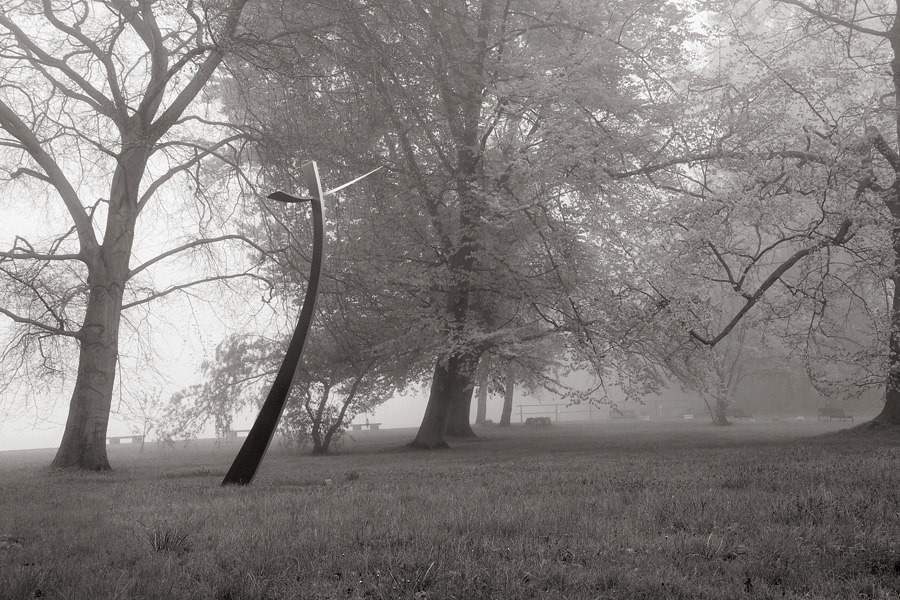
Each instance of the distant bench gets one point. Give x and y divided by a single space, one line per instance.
737 413
233 433
538 421
833 413
132 439
360 426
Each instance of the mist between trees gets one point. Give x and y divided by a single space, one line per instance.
653 193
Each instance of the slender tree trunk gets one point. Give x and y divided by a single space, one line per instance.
339 421
481 411
317 418
508 394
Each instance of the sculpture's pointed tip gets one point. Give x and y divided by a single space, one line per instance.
283 197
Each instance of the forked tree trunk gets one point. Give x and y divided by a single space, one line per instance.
84 440
449 384
316 435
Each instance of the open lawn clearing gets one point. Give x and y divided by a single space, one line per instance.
608 510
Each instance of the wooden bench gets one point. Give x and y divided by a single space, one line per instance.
623 414
132 439
361 426
233 433
538 421
737 413
833 413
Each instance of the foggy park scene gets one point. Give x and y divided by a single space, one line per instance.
433 299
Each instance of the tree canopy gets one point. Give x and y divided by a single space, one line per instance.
619 187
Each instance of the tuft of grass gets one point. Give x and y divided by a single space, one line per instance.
162 537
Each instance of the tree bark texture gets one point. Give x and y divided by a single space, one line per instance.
84 439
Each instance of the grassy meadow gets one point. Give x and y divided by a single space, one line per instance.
652 510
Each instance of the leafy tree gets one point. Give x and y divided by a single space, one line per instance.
869 37
497 126
786 204
99 99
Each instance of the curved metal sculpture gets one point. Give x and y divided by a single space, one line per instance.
251 454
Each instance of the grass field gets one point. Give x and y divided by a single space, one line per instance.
611 510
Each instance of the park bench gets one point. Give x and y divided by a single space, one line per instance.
737 413
233 433
538 421
132 439
360 426
833 413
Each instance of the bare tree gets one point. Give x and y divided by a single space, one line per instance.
103 99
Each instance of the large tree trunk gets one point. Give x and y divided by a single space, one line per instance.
449 385
458 424
431 431
84 440
508 394
719 416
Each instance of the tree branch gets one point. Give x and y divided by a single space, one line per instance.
184 286
18 254
13 125
38 58
35 323
180 168
708 156
889 154
200 78
840 237
194 244
835 20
